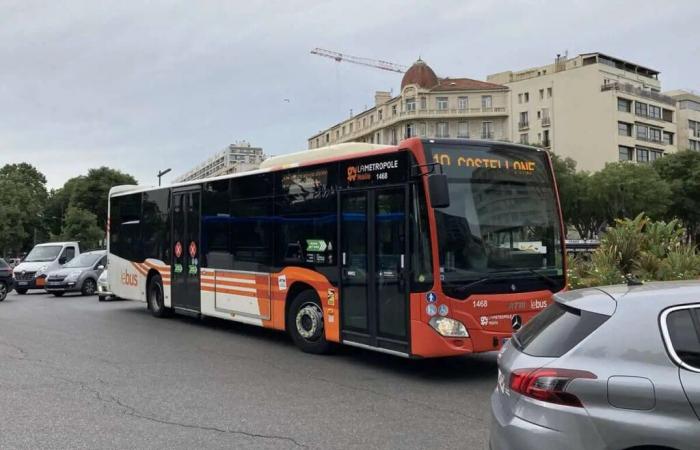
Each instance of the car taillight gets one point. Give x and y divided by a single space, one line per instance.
548 385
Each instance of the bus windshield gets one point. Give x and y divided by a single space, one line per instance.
502 222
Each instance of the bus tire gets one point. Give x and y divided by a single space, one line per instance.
154 297
305 323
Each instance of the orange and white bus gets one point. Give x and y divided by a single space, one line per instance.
427 248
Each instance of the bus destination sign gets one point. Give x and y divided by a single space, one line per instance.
383 169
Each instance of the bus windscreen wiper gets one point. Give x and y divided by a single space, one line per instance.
551 281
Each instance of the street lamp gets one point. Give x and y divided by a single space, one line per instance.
161 173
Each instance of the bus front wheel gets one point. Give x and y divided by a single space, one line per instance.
305 323
155 297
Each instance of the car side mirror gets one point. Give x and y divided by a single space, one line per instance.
439 192
100 267
62 260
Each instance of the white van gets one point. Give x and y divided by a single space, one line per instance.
44 258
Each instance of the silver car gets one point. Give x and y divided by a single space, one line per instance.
78 275
609 368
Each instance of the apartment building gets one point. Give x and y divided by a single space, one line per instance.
238 157
688 111
426 106
593 108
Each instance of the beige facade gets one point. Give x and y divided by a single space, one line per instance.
593 108
688 110
427 106
238 157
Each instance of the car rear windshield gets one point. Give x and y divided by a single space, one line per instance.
3 264
556 330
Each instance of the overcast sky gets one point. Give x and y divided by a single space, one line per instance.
145 85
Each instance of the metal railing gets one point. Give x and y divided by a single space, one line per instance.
487 135
634 90
523 125
546 121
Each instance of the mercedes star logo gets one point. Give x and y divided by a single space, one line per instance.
516 322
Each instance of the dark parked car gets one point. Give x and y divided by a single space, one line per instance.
6 280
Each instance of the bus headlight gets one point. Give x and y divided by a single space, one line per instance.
449 327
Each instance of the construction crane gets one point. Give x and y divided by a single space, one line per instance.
379 64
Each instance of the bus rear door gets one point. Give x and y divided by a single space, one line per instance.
186 239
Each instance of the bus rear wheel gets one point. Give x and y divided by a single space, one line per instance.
155 297
305 323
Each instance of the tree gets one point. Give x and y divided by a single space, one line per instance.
579 208
90 193
682 173
22 201
625 190
81 225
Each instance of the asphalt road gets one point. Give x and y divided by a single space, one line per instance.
82 374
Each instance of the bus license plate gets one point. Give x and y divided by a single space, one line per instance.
22 283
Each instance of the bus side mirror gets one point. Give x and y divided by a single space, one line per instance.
439 192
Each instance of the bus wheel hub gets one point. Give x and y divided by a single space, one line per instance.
309 322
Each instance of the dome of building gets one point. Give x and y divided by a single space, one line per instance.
421 74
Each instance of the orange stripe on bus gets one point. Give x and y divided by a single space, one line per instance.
243 276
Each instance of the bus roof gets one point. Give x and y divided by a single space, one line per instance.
308 157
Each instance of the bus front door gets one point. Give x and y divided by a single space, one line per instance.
374 292
185 288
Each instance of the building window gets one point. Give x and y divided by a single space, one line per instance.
526 97
524 138
410 104
380 113
642 132
442 130
655 154
486 101
371 119
486 130
328 137
626 153
337 134
393 110
423 103
545 139
694 128
624 105
655 135
549 92
524 121
520 98
463 129
640 109
393 137
364 122
344 130
541 94
410 130
642 155
624 129
463 103
654 112
442 103
693 145
351 126
422 128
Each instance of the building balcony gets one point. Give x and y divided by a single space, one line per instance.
639 92
546 121
523 125
651 141
487 135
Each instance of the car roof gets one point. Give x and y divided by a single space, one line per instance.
56 243
95 252
656 295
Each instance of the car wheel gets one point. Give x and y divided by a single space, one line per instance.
58 294
3 290
21 291
155 297
305 323
89 287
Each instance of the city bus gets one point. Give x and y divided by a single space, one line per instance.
428 248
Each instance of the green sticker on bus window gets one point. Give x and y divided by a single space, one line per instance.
316 245
177 268
193 269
